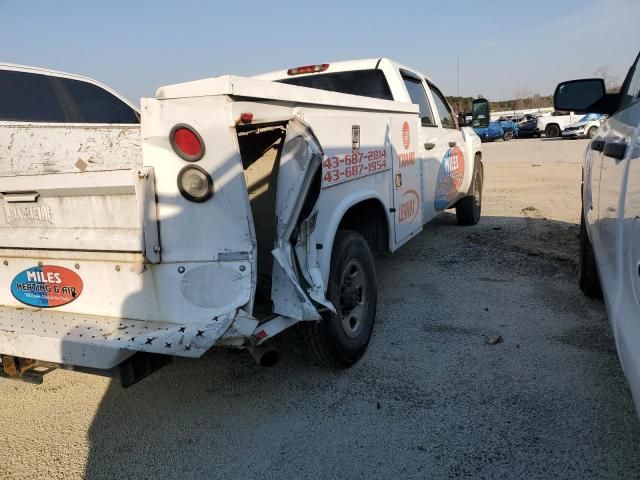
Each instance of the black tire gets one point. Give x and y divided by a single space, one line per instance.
592 132
587 271
339 340
508 135
552 131
469 209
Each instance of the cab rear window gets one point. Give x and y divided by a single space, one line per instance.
365 83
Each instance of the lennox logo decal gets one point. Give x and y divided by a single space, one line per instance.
406 135
46 286
409 207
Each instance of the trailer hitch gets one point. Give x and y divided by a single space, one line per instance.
24 369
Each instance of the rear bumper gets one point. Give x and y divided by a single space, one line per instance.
100 342
573 134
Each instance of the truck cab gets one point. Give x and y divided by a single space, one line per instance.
442 144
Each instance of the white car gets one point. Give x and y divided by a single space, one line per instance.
586 127
610 228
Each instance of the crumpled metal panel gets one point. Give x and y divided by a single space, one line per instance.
300 158
54 336
289 299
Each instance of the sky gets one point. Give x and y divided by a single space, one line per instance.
504 47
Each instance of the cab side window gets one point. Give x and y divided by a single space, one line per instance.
419 97
29 97
630 91
446 115
89 103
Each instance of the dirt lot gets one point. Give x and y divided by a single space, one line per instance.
430 399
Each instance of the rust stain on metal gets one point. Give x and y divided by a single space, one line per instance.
81 165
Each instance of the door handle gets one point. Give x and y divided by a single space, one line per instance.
597 145
452 143
615 150
429 145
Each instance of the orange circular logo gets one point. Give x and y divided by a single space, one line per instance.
406 135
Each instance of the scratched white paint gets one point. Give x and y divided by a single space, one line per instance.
35 149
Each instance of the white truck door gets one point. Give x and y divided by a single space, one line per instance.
431 148
407 191
450 176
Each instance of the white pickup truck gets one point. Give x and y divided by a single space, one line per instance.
553 124
245 206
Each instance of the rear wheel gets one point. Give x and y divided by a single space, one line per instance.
592 132
552 131
508 135
587 270
340 339
469 209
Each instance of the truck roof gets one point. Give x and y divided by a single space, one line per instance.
343 66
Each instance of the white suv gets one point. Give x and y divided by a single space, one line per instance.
610 228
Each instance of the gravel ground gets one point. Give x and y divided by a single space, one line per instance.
430 399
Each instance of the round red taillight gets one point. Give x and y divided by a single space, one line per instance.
186 142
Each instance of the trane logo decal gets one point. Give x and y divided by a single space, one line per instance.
409 207
406 135
406 159
39 214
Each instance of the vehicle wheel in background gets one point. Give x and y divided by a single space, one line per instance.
552 131
587 271
592 132
508 135
468 209
339 340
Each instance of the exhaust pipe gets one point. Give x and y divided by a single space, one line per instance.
265 356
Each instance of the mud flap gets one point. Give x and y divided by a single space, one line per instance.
301 157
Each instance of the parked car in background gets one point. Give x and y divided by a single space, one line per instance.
586 127
552 125
509 127
491 132
499 129
527 126
39 95
609 262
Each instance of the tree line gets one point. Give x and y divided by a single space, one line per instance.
463 104
525 99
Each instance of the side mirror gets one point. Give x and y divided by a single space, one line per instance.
580 96
480 113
